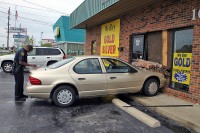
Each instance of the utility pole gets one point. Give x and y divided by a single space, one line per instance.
32 40
41 38
8 27
15 27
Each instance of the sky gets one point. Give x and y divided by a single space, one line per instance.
37 16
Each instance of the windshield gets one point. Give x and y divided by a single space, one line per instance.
61 63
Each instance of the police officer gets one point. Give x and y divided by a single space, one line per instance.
20 62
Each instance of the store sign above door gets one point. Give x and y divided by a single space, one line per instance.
195 13
17 30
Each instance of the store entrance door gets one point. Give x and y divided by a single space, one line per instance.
138 47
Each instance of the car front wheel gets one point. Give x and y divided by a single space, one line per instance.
151 87
7 67
64 96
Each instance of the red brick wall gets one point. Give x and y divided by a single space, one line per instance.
166 15
93 35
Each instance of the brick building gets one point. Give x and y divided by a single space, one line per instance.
163 31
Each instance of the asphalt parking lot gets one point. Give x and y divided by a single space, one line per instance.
87 115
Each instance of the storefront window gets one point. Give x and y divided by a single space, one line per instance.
182 55
138 47
94 45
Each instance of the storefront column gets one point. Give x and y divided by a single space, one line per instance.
164 50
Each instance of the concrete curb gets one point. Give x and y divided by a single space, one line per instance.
170 115
137 114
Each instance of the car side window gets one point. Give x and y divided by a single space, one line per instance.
116 66
55 52
48 51
88 66
32 53
39 51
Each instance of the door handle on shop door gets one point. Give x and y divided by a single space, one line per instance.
81 79
113 77
48 57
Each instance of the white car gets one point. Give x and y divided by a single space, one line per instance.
41 56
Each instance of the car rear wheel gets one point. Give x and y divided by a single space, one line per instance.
64 96
151 87
7 67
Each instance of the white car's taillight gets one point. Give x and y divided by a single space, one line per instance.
64 57
34 81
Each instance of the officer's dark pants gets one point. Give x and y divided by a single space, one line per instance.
19 84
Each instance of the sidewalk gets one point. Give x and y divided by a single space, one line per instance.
186 116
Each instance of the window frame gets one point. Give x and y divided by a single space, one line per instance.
145 47
172 57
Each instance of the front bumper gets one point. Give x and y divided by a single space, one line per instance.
163 82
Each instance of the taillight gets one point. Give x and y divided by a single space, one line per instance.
64 57
34 81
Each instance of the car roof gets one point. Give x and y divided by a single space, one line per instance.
45 47
92 56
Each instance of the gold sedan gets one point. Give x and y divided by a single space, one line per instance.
91 76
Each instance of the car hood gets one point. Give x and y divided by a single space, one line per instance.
150 73
10 56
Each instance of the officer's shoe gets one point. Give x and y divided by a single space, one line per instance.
24 96
20 100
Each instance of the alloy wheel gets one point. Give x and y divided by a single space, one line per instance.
64 96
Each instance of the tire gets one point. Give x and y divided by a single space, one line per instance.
151 87
7 67
64 96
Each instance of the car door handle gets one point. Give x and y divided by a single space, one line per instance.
33 57
48 57
81 78
113 77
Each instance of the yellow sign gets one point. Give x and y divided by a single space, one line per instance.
181 68
110 38
56 31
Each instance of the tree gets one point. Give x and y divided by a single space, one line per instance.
29 41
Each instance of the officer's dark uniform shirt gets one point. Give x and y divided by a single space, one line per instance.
21 55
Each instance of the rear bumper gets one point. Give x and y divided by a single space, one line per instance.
39 95
39 91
